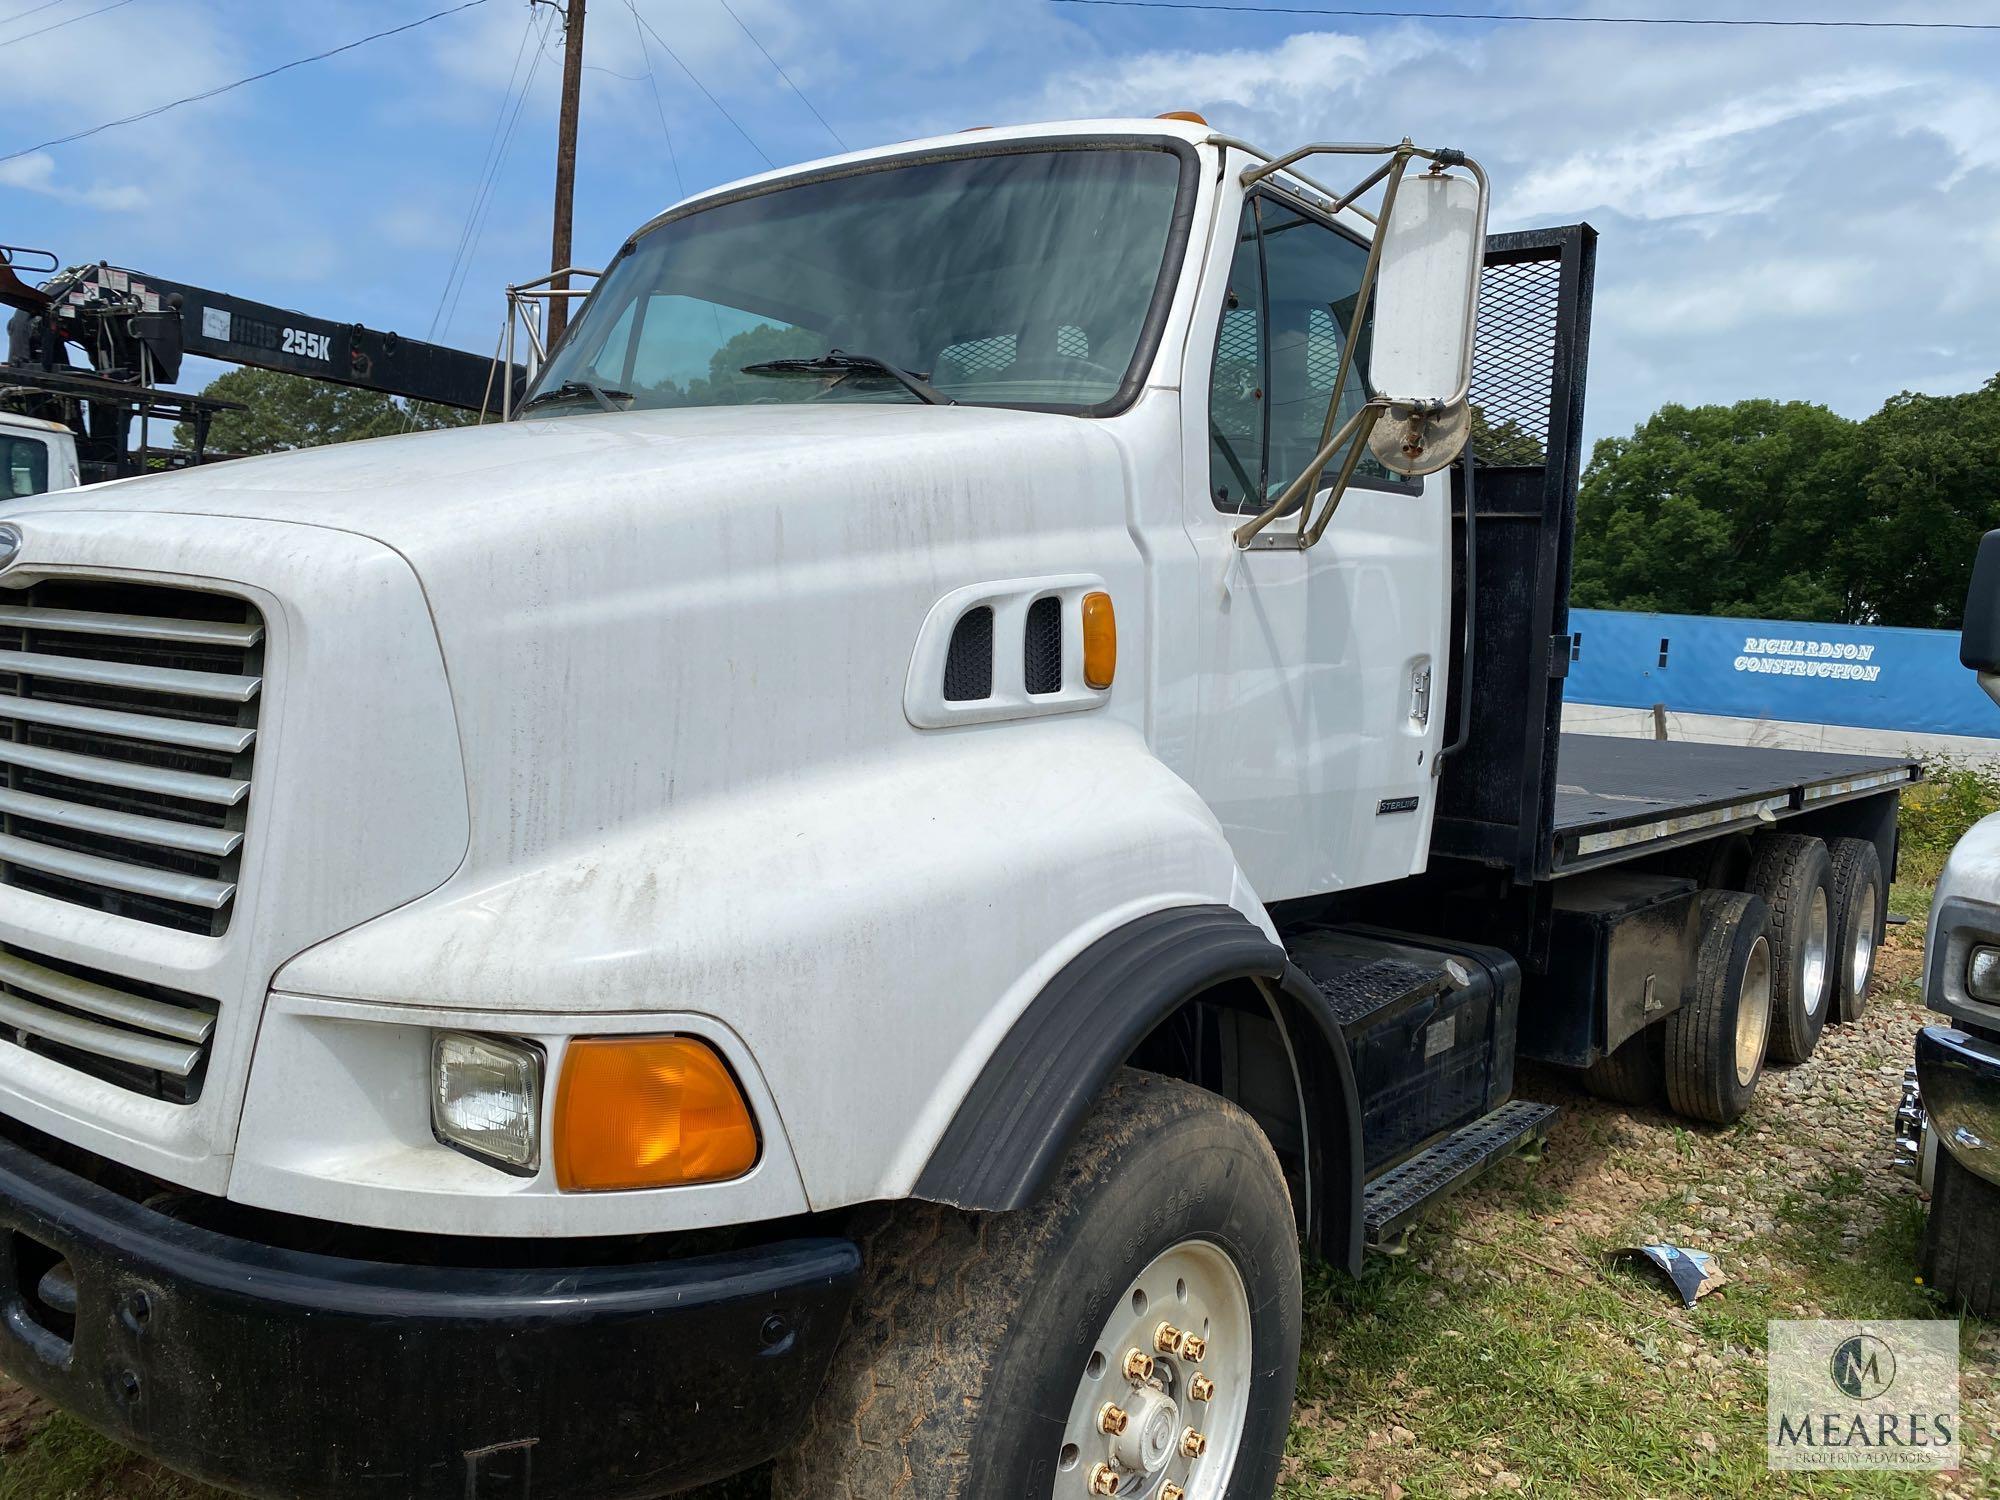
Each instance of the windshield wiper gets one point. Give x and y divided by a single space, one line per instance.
837 362
569 390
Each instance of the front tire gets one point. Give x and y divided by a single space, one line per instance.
1961 1250
983 1348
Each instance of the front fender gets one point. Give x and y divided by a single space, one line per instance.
871 933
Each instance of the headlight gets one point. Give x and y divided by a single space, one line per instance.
1982 974
486 1099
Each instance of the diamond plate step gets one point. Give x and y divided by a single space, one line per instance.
1392 1202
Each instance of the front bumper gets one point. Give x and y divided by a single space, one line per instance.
1958 1075
285 1373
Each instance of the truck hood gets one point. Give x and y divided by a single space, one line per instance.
642 609
421 488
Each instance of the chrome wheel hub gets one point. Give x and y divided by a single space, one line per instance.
1863 962
1817 926
1753 1013
1162 1400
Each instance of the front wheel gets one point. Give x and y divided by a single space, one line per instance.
1961 1249
1135 1332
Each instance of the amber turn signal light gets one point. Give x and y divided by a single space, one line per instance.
646 1112
1100 641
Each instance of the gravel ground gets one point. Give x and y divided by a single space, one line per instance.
1505 1354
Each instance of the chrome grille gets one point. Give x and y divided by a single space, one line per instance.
128 716
140 1036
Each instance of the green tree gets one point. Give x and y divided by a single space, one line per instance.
1787 511
290 411
1720 510
1926 487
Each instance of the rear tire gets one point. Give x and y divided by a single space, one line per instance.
1859 916
1961 1250
1793 875
1634 1074
975 1362
1715 1043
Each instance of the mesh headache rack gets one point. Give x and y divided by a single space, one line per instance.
128 717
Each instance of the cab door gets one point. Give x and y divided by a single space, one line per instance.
1318 668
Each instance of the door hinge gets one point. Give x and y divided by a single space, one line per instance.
1559 655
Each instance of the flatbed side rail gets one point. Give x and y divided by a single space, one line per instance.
1600 842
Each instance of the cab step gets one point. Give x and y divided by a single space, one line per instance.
1392 1203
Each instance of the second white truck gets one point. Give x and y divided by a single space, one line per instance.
974 771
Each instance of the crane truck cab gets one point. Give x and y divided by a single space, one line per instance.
976 768
36 456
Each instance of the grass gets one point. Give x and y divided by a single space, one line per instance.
1508 1353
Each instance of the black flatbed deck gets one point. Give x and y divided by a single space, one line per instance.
1618 798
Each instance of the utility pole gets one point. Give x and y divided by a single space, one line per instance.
572 90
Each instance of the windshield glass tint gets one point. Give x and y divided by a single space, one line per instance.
1017 279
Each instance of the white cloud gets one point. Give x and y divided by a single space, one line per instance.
36 173
1801 217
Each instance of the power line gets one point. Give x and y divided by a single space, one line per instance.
680 186
698 84
160 109
783 74
58 25
1456 15
21 15
488 194
485 170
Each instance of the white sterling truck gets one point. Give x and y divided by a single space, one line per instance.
975 768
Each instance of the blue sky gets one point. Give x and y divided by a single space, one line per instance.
1800 214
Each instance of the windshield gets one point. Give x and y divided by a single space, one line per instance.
1009 278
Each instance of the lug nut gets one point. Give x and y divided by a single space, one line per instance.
1103 1480
1193 1444
1166 1338
1138 1365
1172 1492
1191 1348
1112 1418
1201 1388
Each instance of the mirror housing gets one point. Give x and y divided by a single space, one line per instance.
1979 638
1433 247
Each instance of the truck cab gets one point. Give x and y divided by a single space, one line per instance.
35 456
973 769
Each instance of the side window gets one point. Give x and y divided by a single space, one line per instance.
24 467
1237 379
1312 275
1291 297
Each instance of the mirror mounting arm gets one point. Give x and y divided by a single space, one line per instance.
1363 421
1355 433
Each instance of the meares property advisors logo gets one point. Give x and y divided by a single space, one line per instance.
1846 1395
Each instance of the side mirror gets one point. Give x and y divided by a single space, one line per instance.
1979 640
1426 302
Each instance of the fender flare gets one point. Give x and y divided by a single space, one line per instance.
1021 1114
